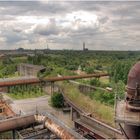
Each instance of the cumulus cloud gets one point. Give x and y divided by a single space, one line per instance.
47 29
66 24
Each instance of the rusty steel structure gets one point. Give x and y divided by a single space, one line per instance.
35 132
133 88
133 99
49 122
16 122
58 128
5 110
88 126
128 110
33 80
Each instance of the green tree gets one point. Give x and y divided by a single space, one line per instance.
57 100
119 71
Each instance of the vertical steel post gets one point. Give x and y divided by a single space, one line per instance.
14 134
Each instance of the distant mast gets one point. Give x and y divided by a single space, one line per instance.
47 47
83 46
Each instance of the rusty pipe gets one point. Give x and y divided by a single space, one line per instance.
62 78
55 126
19 82
58 130
51 79
16 122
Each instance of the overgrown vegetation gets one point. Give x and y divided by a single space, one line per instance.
25 91
57 100
117 64
119 71
66 62
8 66
99 111
95 82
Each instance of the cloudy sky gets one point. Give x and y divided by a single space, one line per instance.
67 24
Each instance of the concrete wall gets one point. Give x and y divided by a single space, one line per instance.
28 70
86 89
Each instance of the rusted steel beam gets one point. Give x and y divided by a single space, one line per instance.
83 130
16 122
110 131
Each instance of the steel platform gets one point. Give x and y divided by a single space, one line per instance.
122 115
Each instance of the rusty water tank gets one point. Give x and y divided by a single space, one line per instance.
133 85
133 100
133 82
133 88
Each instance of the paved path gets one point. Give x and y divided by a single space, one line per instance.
41 104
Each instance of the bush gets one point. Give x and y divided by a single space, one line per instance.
95 82
57 100
89 70
103 97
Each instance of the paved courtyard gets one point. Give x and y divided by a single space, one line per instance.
40 104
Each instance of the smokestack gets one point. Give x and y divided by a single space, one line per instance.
83 46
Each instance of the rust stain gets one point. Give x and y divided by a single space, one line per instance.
6 110
58 130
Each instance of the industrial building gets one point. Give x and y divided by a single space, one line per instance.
29 69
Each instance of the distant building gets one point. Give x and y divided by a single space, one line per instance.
2 55
48 47
84 48
31 54
20 49
30 69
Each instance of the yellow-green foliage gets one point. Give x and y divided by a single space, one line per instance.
25 91
99 111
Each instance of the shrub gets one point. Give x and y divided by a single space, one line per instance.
57 100
95 82
89 70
